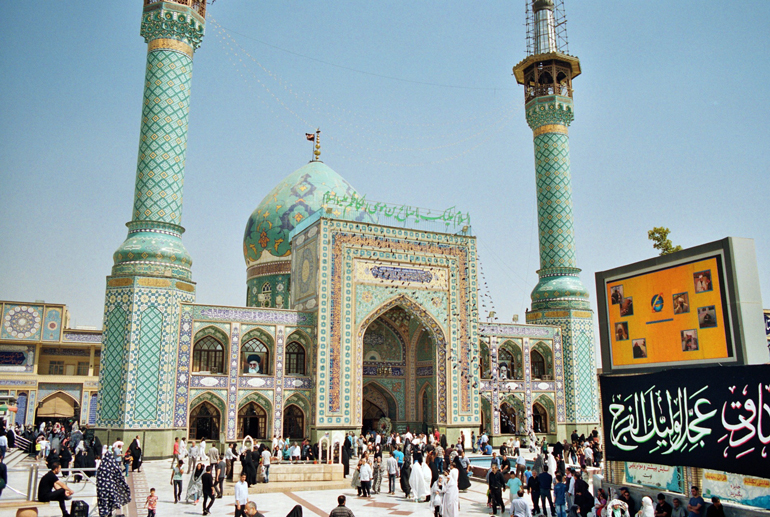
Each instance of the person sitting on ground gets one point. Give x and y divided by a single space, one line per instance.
51 488
341 510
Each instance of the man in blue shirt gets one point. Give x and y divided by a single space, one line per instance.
560 497
399 457
545 489
697 504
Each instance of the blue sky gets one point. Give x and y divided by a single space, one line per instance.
670 130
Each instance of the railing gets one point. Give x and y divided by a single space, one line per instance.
199 6
22 443
86 487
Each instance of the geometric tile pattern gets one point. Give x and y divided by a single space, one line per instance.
148 365
344 301
113 366
559 286
163 143
554 201
232 381
581 391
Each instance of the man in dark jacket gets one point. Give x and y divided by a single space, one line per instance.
496 484
209 494
533 486
545 489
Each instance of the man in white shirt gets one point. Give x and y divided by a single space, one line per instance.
516 446
377 439
392 465
275 442
408 436
519 506
241 495
571 487
266 463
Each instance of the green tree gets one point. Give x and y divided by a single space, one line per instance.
660 240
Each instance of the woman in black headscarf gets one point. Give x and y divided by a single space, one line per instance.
136 455
463 483
406 471
251 467
443 441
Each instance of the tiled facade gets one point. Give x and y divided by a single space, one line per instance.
40 358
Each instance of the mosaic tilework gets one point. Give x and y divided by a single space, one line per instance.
208 396
112 373
416 248
52 324
135 362
82 337
580 386
278 409
178 23
554 199
147 374
232 381
18 358
253 315
163 144
46 389
183 365
22 322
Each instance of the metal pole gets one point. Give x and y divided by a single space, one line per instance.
31 482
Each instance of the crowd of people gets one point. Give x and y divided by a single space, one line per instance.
424 467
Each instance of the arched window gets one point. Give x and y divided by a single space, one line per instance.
204 422
507 419
505 358
264 297
538 365
295 359
208 356
539 418
293 422
252 421
255 357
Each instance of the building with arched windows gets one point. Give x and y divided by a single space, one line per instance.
358 314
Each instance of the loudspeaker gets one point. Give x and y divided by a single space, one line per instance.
79 509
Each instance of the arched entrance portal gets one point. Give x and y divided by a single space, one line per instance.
402 377
57 407
204 422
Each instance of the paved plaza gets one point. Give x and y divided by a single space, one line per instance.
314 502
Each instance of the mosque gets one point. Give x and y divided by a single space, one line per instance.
358 315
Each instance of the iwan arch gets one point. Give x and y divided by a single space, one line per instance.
355 311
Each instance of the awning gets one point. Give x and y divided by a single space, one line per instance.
57 405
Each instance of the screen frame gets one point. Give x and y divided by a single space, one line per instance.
721 251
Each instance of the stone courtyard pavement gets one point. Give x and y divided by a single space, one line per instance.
318 502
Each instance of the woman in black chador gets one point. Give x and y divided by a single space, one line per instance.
406 470
463 483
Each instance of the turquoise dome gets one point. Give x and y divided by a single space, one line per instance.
292 201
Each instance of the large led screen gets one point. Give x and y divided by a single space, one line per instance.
675 314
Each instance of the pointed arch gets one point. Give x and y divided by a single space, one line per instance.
260 399
205 422
544 409
294 422
210 348
431 325
261 343
515 370
547 354
392 405
212 398
515 413
427 405
58 404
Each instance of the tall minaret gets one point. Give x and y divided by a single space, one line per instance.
559 297
151 273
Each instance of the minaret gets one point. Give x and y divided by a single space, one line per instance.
559 297
151 273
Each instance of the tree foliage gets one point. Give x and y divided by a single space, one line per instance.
660 241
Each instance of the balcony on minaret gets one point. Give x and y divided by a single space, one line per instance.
548 69
197 6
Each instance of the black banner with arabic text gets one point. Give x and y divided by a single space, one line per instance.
716 417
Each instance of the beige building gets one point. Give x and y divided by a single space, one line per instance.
51 369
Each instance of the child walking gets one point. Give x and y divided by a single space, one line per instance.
152 503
